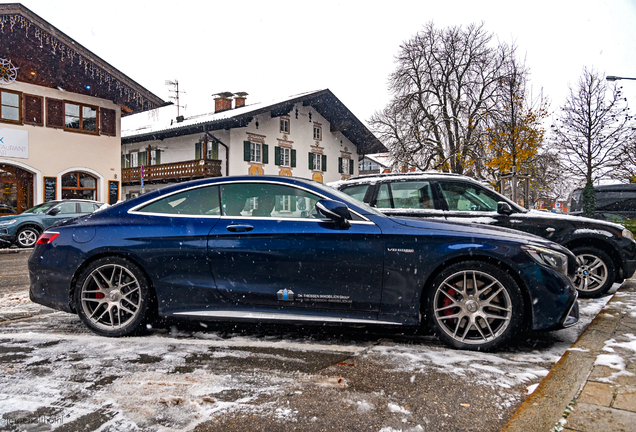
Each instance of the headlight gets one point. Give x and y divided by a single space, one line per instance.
549 258
628 234
12 221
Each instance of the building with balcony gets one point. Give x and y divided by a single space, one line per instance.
60 114
310 135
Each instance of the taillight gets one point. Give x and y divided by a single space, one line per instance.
47 237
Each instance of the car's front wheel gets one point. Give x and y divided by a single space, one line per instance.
113 297
27 237
596 272
474 306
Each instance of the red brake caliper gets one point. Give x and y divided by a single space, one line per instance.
447 302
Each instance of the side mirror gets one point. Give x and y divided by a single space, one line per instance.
53 211
335 211
504 208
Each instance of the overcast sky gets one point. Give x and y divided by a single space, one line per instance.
273 48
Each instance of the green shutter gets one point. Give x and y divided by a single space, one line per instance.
142 158
324 162
158 157
292 205
215 151
311 161
293 158
123 161
246 151
340 165
351 166
276 155
265 153
197 150
278 204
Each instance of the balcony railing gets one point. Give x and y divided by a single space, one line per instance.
186 170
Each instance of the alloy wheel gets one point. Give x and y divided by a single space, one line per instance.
472 307
111 297
591 274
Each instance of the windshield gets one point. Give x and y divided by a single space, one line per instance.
348 199
41 208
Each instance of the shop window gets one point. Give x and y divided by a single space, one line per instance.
79 185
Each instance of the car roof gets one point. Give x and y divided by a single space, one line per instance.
429 175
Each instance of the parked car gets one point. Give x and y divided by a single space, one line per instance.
605 251
24 229
613 202
275 248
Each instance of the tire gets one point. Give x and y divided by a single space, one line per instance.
596 272
474 306
27 237
113 297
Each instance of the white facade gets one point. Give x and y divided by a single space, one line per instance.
54 152
298 138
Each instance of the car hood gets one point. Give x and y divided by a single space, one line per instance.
480 230
578 221
17 216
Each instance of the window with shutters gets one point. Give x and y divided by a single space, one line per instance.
10 106
284 125
317 166
80 118
317 162
33 110
256 152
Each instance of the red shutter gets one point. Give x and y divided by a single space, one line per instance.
109 121
33 110
54 113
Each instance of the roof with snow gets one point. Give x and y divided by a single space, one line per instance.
139 128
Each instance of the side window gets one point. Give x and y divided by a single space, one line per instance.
465 197
384 199
412 195
67 208
268 200
203 201
358 191
86 207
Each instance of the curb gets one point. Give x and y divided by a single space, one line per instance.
547 404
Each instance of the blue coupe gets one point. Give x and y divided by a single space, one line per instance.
273 248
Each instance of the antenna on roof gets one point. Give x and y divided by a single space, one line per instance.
176 92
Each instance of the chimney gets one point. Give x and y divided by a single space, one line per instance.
222 101
239 99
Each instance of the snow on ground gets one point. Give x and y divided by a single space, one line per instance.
138 383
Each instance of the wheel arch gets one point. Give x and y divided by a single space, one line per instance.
527 303
109 254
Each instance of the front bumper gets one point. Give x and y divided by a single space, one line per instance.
630 268
572 317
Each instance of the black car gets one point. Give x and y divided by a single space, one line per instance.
274 248
605 251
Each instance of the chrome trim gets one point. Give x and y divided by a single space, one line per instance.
282 317
571 319
134 209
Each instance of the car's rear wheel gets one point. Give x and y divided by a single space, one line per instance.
475 306
113 297
27 237
596 272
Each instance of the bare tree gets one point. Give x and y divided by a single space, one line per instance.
445 83
593 127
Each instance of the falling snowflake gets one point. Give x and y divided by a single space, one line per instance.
8 72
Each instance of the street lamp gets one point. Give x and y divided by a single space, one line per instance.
616 78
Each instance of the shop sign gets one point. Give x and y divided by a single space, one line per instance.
14 143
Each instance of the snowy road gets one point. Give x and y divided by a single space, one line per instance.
55 375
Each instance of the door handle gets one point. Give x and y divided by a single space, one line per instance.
240 228
550 229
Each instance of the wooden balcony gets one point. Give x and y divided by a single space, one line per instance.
178 171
